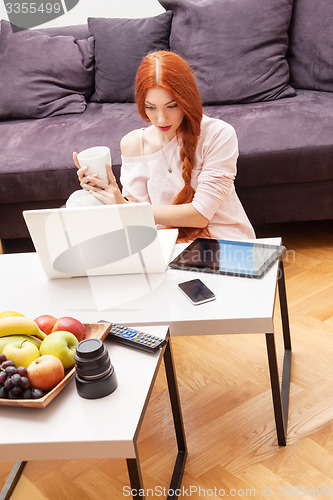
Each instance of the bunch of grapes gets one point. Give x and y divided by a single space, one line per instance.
14 382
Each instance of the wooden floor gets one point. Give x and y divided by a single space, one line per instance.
227 408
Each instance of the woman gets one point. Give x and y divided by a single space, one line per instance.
184 163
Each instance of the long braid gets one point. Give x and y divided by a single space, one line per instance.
187 151
186 195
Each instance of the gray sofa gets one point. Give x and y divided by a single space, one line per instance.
265 67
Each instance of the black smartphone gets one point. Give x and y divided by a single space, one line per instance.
196 291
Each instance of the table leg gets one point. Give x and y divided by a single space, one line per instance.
133 464
284 306
178 422
12 480
280 396
134 472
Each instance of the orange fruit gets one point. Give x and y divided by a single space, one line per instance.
7 314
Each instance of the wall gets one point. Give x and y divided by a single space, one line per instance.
97 8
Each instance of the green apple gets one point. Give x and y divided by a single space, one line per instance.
62 345
22 353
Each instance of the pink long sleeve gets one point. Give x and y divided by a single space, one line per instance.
146 178
217 173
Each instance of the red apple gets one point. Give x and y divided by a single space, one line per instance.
46 372
46 322
72 325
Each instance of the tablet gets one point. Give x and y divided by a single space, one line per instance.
236 258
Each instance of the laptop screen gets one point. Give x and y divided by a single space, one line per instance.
96 240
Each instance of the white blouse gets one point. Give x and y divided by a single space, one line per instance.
146 179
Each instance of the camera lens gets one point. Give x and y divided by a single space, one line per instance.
95 376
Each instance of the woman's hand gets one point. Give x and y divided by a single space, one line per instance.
107 193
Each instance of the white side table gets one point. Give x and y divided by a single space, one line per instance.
242 306
71 427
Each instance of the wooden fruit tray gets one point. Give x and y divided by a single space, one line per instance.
95 331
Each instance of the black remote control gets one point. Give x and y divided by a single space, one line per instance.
135 338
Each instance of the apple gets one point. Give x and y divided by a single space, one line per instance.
61 344
71 325
46 372
22 353
46 322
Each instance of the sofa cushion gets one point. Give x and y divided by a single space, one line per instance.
43 75
120 45
236 48
285 141
78 31
311 45
36 155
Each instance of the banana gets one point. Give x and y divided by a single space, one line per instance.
15 338
20 325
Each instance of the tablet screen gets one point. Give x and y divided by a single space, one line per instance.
236 258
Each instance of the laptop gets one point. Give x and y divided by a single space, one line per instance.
99 240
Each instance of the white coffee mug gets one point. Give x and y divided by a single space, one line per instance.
96 159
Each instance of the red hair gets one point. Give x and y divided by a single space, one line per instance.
172 73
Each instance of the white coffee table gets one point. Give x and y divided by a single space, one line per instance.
71 427
242 306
